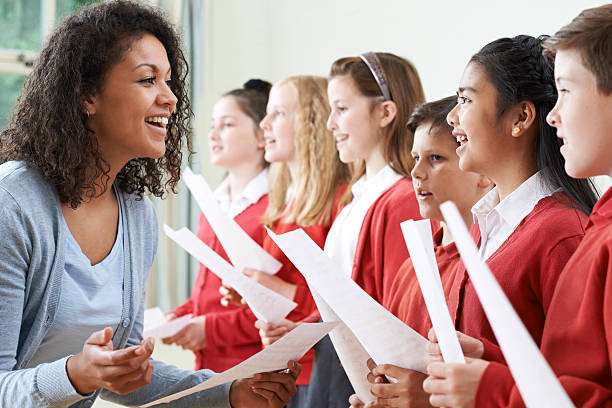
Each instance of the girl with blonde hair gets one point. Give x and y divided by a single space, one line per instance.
307 180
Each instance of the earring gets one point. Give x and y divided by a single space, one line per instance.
515 131
87 113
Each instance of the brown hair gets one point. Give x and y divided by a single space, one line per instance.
406 92
319 170
252 98
590 33
434 113
49 129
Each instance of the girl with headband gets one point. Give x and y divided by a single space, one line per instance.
220 336
371 99
102 121
532 222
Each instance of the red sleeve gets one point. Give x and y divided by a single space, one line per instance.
185 308
234 327
381 248
492 352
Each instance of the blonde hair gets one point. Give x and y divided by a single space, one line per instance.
319 170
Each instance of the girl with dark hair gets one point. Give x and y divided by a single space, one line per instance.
220 336
102 120
577 334
532 222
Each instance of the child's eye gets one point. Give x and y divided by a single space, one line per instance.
462 99
416 158
436 157
169 83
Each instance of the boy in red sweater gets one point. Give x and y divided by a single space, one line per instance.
577 335
437 178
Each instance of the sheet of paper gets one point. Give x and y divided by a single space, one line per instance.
241 249
265 303
418 237
274 357
383 336
351 353
534 378
155 324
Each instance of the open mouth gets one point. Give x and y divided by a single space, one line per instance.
461 139
216 148
157 121
423 194
341 138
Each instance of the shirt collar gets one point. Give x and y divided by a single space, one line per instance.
384 179
516 206
251 193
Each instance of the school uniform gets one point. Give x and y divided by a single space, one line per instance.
577 336
289 273
405 299
231 336
526 240
365 239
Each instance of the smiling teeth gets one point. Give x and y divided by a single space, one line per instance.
461 139
158 119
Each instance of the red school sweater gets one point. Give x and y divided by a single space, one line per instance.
306 305
381 248
231 336
405 299
577 337
527 266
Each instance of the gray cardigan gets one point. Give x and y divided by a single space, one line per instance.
31 268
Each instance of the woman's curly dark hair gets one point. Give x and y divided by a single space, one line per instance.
48 129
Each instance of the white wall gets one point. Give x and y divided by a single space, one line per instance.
273 39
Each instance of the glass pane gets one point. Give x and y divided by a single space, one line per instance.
10 89
66 7
20 21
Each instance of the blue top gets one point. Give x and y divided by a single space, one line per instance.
91 298
32 253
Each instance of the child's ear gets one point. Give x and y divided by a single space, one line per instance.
388 113
484 182
261 143
526 115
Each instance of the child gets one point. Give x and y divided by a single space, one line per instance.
437 178
577 332
308 180
222 337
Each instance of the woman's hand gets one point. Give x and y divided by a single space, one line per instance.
270 332
470 346
452 384
119 371
192 336
266 390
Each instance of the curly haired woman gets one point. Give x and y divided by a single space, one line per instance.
103 118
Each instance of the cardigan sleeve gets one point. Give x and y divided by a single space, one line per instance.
46 384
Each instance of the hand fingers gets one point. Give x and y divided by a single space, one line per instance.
286 380
432 348
123 356
101 337
438 369
271 390
433 385
295 369
371 364
439 400
143 379
262 325
389 390
355 401
431 335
